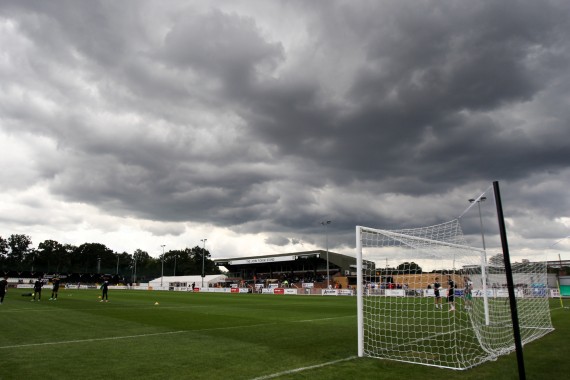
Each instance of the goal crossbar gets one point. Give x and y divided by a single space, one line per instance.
405 238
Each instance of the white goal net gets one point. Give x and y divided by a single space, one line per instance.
425 296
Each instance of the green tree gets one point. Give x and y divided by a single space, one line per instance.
20 254
94 258
193 262
202 258
124 262
3 253
144 266
66 258
175 262
497 260
50 256
409 268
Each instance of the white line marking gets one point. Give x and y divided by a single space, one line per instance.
52 310
91 340
274 375
147 335
133 336
324 319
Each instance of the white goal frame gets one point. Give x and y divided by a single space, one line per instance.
480 324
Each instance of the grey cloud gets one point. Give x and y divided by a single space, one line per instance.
434 71
278 240
220 44
192 115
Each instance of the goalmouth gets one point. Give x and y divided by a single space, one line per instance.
444 304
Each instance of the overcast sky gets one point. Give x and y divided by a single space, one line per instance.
141 123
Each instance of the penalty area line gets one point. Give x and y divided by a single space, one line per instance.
92 339
132 336
197 331
323 319
274 375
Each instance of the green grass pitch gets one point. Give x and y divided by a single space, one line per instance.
219 336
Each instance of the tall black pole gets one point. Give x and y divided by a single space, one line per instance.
510 282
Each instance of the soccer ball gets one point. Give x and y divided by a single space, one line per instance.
33 294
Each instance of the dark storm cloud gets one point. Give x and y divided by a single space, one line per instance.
177 113
220 45
421 96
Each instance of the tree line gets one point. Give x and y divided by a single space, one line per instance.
51 257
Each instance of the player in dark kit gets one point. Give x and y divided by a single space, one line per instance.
38 289
55 282
468 293
451 294
3 289
436 288
105 289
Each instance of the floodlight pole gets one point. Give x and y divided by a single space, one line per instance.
203 254
135 268
326 223
483 262
117 264
162 262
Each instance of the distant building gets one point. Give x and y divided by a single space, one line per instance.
306 265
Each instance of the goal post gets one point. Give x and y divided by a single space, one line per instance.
441 303
359 293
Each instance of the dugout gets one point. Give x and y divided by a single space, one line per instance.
565 286
295 267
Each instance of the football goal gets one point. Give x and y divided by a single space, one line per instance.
426 296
